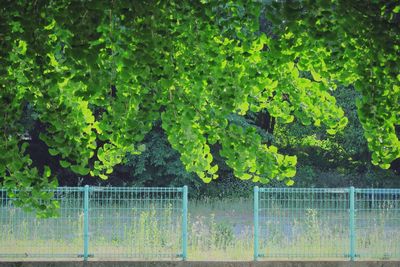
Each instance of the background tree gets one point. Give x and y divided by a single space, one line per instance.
353 42
97 77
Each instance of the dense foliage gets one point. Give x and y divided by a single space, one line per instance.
324 160
353 42
98 75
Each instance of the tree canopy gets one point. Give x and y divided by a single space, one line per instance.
99 75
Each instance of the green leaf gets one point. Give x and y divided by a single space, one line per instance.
289 182
142 147
213 169
46 172
246 176
80 169
64 164
51 25
207 179
291 160
384 166
102 176
289 173
316 76
53 61
22 47
343 122
53 152
331 131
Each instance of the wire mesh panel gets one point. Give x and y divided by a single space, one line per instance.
135 222
22 235
377 223
303 223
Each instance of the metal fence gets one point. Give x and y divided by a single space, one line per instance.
151 223
100 222
344 223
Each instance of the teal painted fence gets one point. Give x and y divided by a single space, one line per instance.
256 226
99 222
152 223
340 223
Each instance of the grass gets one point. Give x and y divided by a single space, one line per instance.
217 230
221 229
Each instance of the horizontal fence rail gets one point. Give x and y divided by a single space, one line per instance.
327 223
100 222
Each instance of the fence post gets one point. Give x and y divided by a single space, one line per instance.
184 222
86 223
352 226
255 210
